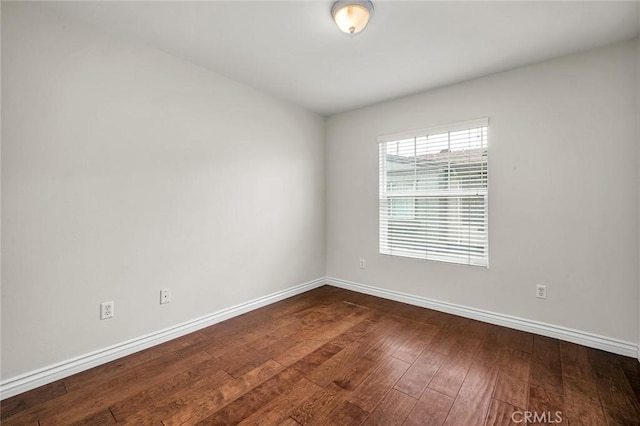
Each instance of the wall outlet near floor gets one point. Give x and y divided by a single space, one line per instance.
165 296
106 310
361 263
541 291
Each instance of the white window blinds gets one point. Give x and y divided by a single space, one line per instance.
433 194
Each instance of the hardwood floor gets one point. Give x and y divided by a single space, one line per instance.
330 356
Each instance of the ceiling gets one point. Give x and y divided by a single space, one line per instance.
293 50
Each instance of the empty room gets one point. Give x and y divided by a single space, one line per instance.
326 212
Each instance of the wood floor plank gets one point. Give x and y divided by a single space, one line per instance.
102 418
378 383
199 404
352 376
617 396
166 393
491 349
631 368
301 350
579 381
472 336
80 404
544 402
280 408
317 318
582 411
546 370
511 390
418 376
333 356
451 374
444 342
318 406
256 354
341 366
359 330
412 348
238 337
503 414
18 403
98 377
392 410
431 409
415 313
253 400
515 363
317 358
472 403
476 329
315 341
346 414
581 399
187 344
259 334
467 412
516 340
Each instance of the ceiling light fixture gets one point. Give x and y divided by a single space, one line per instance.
352 16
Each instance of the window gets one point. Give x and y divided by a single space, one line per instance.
433 194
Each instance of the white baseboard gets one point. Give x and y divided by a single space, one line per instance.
42 376
580 337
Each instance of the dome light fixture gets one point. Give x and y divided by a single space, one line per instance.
352 16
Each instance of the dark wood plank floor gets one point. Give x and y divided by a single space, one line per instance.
331 356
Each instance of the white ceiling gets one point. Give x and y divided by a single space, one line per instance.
292 49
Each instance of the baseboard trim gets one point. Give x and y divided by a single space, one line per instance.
580 337
31 380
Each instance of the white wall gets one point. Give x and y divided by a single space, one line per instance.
125 171
563 193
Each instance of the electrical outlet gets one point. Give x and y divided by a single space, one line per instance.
165 296
106 310
361 263
541 291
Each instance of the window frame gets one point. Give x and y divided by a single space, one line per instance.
476 197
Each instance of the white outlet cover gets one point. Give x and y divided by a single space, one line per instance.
106 310
165 296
